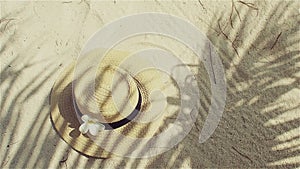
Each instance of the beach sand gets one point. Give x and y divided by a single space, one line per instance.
258 44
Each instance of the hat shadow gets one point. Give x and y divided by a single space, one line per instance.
68 112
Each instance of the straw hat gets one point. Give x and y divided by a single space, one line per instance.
139 105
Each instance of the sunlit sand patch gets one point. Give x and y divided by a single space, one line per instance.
286 161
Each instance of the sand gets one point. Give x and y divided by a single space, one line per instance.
259 47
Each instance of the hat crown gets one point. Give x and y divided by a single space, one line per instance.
109 95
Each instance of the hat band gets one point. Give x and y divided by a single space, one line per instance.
120 123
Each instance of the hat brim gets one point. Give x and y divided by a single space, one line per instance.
64 119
